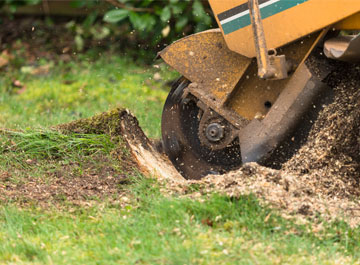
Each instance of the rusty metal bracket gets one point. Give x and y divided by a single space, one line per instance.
261 137
205 60
270 65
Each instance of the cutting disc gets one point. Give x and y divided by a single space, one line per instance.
180 134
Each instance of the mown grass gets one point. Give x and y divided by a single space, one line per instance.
159 230
147 227
82 88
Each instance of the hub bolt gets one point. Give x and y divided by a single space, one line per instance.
214 132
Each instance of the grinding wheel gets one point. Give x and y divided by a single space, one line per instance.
180 134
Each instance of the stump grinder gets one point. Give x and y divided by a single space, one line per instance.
250 89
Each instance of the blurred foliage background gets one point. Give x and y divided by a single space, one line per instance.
62 60
148 24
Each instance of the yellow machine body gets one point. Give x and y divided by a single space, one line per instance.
283 20
293 25
237 106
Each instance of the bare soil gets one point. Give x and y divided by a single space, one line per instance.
32 38
69 184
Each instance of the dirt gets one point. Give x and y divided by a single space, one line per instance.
31 38
322 180
67 184
96 178
120 122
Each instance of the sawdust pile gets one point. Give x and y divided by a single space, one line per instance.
331 155
323 178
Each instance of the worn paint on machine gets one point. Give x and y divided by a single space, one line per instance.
239 17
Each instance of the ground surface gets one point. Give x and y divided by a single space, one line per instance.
322 178
75 193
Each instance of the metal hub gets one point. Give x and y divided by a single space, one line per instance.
197 142
214 132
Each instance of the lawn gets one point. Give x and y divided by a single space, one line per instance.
73 199
81 88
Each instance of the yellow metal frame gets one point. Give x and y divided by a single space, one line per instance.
350 23
220 68
291 24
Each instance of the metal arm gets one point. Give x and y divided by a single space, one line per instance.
269 66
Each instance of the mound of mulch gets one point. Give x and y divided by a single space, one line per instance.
330 159
323 178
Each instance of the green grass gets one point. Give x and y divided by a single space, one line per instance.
51 144
144 226
43 155
159 230
83 88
